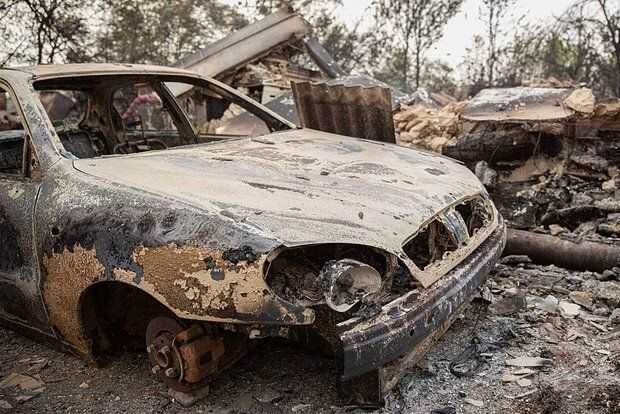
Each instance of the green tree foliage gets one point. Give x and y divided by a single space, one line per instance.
347 45
410 28
583 44
390 70
474 68
578 46
162 31
606 19
439 76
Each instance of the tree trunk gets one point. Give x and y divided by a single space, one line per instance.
418 64
614 34
39 46
492 35
405 73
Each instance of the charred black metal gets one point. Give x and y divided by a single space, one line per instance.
394 332
10 253
244 254
247 244
295 273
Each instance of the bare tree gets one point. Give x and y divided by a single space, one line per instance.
600 19
46 27
415 25
493 13
612 23
58 26
473 68
572 47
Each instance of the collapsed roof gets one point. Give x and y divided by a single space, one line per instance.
262 56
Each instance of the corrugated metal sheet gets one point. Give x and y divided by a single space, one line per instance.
356 111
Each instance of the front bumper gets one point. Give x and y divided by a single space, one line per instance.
406 328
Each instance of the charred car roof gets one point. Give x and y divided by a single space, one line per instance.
89 69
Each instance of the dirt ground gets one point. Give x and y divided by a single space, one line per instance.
466 372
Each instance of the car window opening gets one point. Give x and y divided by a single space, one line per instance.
12 136
117 115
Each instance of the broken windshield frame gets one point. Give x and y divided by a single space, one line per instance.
181 85
99 133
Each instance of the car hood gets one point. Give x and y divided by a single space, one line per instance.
302 186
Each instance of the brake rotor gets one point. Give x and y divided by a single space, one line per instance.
165 359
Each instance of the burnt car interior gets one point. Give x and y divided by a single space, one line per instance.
103 115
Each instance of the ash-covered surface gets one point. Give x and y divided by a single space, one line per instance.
533 316
566 323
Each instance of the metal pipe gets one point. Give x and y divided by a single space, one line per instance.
545 249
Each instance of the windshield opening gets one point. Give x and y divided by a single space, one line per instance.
214 115
125 114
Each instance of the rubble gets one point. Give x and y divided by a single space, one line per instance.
529 362
24 382
569 310
615 317
426 127
548 155
475 403
583 365
584 299
509 305
581 100
549 304
550 82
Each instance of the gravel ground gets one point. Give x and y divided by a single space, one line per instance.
580 373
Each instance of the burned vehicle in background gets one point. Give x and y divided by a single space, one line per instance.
121 224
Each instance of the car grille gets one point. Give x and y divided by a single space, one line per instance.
448 233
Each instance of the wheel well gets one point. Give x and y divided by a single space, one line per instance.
114 316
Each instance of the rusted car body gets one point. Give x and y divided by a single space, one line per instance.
113 229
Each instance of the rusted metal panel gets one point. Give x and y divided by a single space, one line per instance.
193 228
353 111
300 177
284 105
405 326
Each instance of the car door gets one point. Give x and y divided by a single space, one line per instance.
20 301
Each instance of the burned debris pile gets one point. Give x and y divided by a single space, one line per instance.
549 155
428 127
548 342
550 158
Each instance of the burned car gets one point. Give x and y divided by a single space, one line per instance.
121 225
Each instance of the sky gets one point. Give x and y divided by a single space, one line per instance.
462 28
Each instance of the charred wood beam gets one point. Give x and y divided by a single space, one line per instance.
493 145
545 249
571 217
323 59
